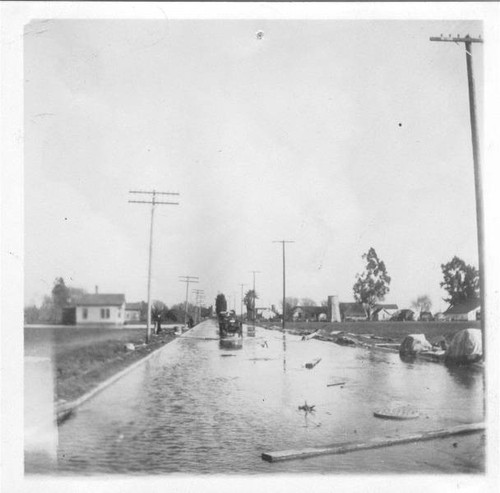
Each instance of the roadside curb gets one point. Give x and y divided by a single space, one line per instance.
65 410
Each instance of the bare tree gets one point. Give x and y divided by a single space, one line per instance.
307 302
423 303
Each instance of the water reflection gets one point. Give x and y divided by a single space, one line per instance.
230 344
467 376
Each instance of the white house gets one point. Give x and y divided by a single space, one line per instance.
266 313
384 312
100 309
468 311
133 312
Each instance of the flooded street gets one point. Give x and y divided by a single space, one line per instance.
196 407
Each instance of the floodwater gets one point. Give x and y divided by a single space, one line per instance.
199 408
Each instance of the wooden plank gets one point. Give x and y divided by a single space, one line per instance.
313 363
377 442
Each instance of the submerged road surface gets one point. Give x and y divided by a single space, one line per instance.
196 407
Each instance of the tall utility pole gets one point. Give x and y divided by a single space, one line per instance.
241 302
152 202
284 242
476 156
254 297
199 293
187 280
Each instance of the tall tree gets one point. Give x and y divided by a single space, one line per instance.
60 299
373 284
220 303
177 312
47 313
31 314
460 280
422 304
249 301
159 311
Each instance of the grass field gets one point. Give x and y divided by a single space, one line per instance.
85 357
395 331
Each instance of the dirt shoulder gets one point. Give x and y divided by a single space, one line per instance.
84 358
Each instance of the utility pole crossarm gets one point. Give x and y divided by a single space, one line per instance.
153 192
155 202
457 39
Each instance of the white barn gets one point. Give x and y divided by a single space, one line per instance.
108 309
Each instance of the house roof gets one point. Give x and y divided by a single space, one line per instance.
352 309
385 307
466 307
100 300
312 310
265 309
133 306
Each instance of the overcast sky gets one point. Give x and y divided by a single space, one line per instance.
339 135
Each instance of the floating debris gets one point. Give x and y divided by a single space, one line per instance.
313 363
307 408
397 412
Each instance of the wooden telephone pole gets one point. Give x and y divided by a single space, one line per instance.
476 156
284 242
187 280
241 302
200 296
153 202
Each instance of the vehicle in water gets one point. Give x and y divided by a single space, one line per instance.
229 325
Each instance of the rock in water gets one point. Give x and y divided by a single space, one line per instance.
466 347
414 344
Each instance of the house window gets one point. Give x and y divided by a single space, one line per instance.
85 313
104 312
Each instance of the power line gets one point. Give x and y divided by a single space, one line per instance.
153 202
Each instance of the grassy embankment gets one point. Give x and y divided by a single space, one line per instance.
85 357
376 332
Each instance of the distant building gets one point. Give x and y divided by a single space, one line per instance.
96 308
468 311
384 312
267 313
404 315
352 312
310 313
133 312
426 317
